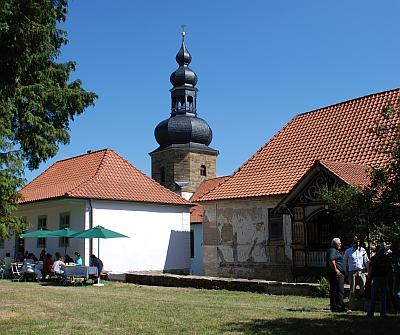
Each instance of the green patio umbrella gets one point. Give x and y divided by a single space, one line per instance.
37 233
98 232
65 232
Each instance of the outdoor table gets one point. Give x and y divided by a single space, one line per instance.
79 271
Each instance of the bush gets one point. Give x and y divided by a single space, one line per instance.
323 288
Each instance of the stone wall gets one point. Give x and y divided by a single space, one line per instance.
260 286
183 164
236 241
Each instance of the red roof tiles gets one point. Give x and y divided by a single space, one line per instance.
98 175
338 133
352 174
197 211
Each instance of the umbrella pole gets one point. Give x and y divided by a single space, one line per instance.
98 256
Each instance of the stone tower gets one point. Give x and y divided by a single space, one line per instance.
183 159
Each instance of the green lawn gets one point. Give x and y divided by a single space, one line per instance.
116 308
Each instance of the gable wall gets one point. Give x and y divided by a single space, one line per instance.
158 240
236 240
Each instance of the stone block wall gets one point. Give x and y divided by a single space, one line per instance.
183 165
236 241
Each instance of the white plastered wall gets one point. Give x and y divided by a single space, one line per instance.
51 209
159 237
158 240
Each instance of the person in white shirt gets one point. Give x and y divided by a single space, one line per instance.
356 261
58 266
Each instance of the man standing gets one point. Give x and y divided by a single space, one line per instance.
335 270
356 262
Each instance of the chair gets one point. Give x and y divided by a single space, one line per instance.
18 275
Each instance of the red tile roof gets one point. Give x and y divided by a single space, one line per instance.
197 211
352 174
98 175
339 133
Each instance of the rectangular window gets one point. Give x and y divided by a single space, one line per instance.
191 243
42 224
1 243
275 223
64 223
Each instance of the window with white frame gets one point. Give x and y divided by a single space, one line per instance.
64 223
42 224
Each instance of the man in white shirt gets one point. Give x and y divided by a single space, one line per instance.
356 261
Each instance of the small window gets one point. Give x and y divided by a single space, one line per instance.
42 224
162 174
203 171
64 223
275 222
1 243
191 243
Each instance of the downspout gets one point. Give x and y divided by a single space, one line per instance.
90 226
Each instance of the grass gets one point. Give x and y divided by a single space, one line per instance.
117 308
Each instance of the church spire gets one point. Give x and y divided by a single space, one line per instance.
183 159
184 80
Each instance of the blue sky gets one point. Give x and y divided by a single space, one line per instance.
259 63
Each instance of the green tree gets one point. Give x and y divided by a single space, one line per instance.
375 210
37 99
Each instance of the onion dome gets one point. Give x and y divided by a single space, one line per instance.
183 75
182 129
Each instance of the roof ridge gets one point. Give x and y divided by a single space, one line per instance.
348 100
211 189
251 157
89 152
95 174
147 177
62 160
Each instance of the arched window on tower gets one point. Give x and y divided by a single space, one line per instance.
203 171
181 102
174 104
162 174
190 102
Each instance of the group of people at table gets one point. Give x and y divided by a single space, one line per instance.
46 266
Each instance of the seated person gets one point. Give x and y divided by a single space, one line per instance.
7 264
68 259
42 255
47 265
58 265
94 261
78 258
29 259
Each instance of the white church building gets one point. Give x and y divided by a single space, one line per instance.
102 188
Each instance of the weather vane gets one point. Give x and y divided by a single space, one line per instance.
183 26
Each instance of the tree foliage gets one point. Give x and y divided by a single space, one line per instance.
375 210
37 99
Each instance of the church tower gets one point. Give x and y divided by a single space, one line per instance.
183 159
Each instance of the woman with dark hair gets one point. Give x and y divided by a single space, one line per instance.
78 258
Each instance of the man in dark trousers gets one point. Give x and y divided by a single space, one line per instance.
335 267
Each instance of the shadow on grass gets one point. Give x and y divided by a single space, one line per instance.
338 324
